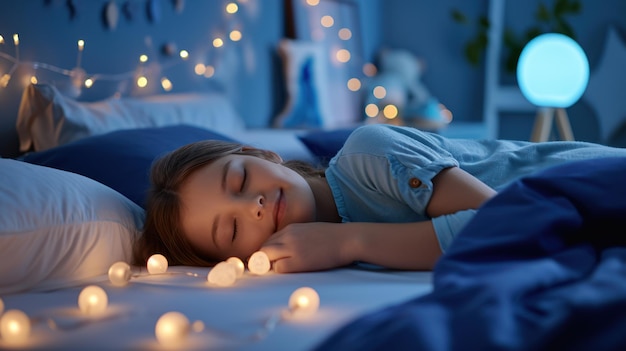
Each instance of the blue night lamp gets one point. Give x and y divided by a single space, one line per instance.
552 73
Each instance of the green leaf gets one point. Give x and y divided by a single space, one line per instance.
483 22
458 16
472 53
542 14
565 28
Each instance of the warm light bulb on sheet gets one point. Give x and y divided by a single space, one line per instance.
304 302
157 264
259 263
93 300
171 328
223 274
238 263
119 273
14 327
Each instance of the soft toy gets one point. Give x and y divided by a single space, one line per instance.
399 73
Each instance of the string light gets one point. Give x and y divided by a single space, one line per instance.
120 273
14 327
304 302
157 264
80 78
238 263
93 300
223 274
259 263
171 329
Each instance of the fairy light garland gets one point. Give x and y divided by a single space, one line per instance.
80 78
173 327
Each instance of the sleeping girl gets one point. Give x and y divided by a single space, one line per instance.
392 196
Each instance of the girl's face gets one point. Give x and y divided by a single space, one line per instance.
232 205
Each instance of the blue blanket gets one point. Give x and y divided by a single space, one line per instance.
542 266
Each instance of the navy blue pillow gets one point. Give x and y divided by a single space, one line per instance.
121 159
325 144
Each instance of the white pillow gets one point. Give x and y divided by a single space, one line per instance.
60 229
47 118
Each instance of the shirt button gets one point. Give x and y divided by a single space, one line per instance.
414 183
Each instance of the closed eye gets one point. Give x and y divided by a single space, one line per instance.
243 181
234 230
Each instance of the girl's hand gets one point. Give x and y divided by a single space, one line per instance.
302 247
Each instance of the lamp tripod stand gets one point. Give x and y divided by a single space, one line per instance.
543 124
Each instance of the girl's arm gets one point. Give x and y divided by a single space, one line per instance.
318 246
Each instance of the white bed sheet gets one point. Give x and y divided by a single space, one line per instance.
240 310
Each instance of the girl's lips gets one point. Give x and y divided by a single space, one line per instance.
279 210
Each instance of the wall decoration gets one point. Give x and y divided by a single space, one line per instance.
334 25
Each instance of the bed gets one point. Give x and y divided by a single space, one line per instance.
540 267
73 203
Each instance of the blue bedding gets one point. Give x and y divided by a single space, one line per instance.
542 266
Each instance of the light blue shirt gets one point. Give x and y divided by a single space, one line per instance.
372 176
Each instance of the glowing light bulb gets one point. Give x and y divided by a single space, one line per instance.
327 21
119 273
1 39
93 300
223 274
157 264
166 84
390 111
14 327
171 328
235 35
184 54
142 82
218 42
199 68
81 45
232 7
259 263
354 84
343 55
16 39
371 110
379 92
209 71
238 263
89 82
304 302
143 58
344 34
4 81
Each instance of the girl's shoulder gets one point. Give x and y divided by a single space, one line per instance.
379 138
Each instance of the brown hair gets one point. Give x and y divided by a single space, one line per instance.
162 231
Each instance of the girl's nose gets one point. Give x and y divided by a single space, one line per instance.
258 206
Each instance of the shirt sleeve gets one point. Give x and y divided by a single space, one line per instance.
447 227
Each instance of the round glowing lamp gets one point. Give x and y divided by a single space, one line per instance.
222 274
14 327
304 302
553 70
157 264
552 73
119 273
172 328
238 263
259 263
93 300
